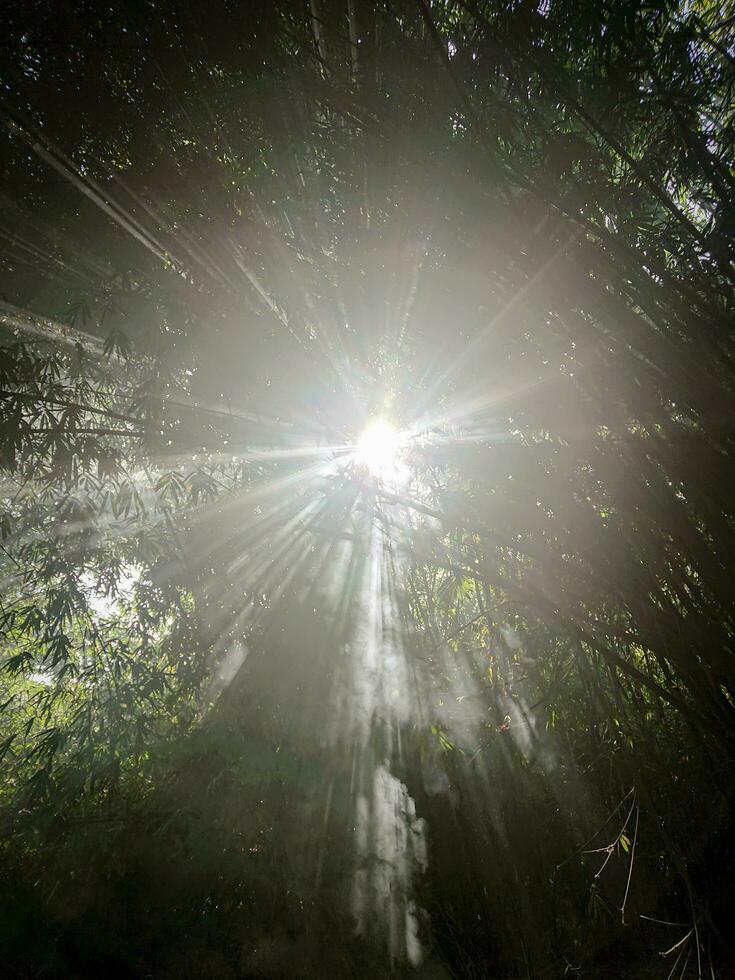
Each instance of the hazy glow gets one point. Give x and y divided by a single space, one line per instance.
379 449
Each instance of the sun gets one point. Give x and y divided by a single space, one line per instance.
380 450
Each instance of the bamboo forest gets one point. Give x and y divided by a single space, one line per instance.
367 489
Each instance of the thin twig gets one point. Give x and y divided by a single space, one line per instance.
630 868
677 945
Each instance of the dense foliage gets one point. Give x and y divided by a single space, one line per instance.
264 714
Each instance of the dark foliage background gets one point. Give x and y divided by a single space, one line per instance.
229 236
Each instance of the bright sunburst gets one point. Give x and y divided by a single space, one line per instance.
380 450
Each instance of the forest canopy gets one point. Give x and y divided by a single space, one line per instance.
367 594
